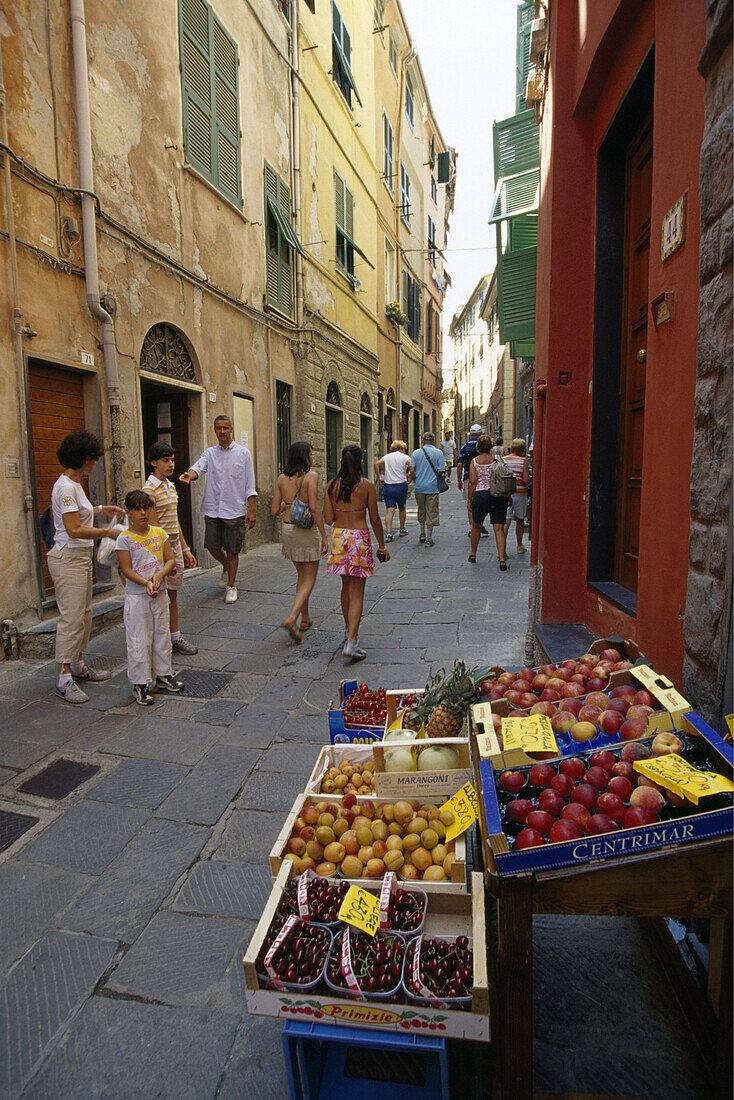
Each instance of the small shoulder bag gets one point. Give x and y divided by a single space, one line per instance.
301 514
443 486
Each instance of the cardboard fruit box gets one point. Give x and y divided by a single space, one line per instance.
341 734
679 825
428 786
448 915
457 883
486 746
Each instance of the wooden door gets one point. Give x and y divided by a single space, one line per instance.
365 442
165 412
634 355
57 408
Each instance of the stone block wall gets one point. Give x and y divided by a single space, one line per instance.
707 662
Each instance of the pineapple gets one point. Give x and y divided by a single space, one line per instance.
445 702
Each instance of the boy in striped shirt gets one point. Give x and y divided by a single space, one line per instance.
162 460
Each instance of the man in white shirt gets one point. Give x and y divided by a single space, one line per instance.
230 492
448 446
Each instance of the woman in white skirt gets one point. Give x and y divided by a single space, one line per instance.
303 546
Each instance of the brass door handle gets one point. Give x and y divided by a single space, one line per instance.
641 355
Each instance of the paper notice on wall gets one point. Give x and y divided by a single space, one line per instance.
245 439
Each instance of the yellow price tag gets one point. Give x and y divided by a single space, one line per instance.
531 734
676 774
361 909
729 719
465 808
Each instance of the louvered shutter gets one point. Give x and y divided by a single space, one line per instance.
349 213
210 99
285 275
279 268
339 202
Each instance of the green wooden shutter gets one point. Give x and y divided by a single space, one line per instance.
339 202
278 261
349 213
516 282
209 70
525 16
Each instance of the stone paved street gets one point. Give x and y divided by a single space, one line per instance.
126 910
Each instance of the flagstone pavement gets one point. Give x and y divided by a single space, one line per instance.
125 911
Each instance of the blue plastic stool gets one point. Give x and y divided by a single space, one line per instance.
316 1055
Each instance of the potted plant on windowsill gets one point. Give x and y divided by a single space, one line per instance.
395 313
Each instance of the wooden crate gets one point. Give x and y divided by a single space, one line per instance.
457 884
433 786
449 914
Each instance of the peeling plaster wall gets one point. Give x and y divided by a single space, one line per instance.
154 202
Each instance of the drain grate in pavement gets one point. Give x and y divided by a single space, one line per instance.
12 826
59 779
201 684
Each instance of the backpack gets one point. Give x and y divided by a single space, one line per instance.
502 481
46 526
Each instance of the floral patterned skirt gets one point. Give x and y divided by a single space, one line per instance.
351 553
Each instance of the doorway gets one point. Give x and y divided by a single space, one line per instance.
634 354
333 420
165 413
56 408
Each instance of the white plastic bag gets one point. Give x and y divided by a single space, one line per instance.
106 546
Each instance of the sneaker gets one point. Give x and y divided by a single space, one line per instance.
169 684
94 675
355 653
142 696
422 538
72 693
224 579
389 538
522 549
230 596
403 532
430 542
180 645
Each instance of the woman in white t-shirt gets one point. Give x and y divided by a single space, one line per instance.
70 560
393 469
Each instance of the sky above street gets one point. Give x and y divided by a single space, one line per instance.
467 50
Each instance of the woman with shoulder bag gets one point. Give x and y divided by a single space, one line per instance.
481 502
304 539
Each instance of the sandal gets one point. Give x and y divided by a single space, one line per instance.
306 624
473 559
503 566
293 631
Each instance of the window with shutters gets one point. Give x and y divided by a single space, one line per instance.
429 328
411 302
393 54
409 100
389 271
434 189
280 242
387 170
404 195
341 57
432 241
209 75
344 204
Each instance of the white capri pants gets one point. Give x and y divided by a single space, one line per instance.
147 636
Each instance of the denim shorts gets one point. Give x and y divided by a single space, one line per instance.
395 496
484 504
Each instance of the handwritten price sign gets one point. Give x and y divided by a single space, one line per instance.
465 808
531 734
361 909
676 774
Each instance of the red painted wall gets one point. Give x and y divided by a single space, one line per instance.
588 82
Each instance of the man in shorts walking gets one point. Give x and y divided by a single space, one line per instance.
448 446
426 462
229 501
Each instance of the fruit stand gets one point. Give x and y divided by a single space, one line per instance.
596 790
603 824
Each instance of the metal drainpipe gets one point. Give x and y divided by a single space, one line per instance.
89 235
19 362
404 62
296 161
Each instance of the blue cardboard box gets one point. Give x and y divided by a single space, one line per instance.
341 734
681 827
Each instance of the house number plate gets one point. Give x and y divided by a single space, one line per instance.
674 229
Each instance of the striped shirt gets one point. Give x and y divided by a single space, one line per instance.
517 465
166 503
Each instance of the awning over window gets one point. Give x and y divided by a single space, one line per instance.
285 227
516 195
345 66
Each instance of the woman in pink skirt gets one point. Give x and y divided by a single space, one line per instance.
349 497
